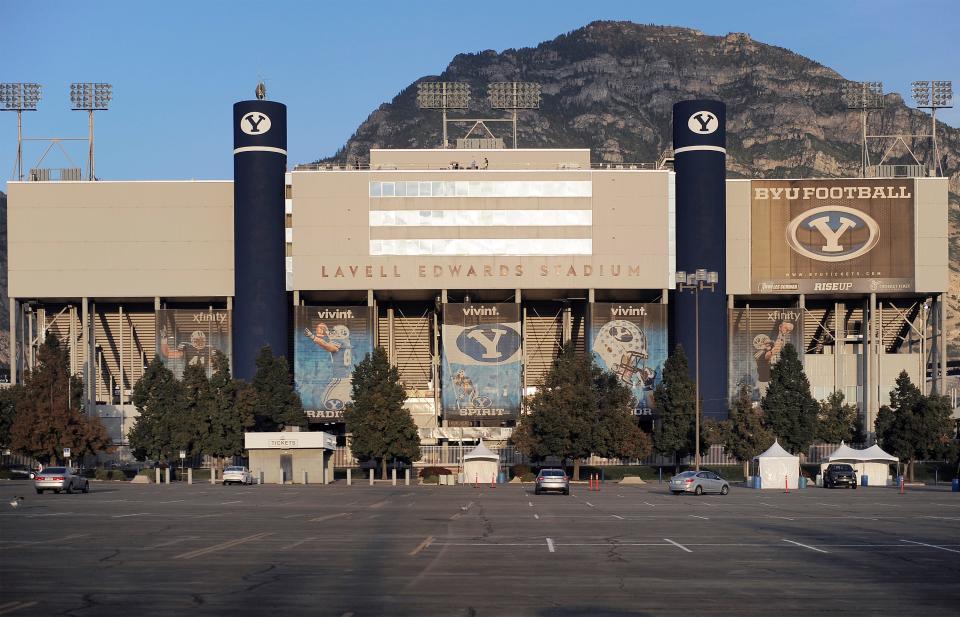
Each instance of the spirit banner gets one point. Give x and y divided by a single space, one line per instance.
191 337
329 341
630 340
481 361
757 336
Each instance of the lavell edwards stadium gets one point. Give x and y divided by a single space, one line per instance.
474 267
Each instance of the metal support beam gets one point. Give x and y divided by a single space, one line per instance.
942 323
13 340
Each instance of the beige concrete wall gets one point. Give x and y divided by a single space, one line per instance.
520 158
932 230
120 239
738 237
268 461
630 234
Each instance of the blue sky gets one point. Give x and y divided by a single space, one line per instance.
177 67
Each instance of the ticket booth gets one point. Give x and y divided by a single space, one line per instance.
291 457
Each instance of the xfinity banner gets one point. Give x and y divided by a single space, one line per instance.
832 236
329 341
630 340
757 338
191 337
481 361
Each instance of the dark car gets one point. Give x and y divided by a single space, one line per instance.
839 474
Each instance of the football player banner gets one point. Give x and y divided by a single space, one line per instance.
630 340
329 341
757 336
482 361
188 337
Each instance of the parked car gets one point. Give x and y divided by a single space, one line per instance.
20 472
59 479
552 480
698 483
840 474
237 475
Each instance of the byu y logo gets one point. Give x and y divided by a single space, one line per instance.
703 123
255 123
489 343
833 233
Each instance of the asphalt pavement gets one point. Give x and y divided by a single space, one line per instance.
359 551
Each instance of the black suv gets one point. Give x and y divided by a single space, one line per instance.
839 474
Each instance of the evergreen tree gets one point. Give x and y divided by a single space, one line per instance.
744 434
615 432
159 399
278 404
197 403
381 429
675 399
836 420
789 408
229 413
8 412
49 416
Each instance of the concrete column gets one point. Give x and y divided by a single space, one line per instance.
349 477
213 475
296 297
13 340
838 341
371 477
167 478
406 477
942 346
189 475
157 474
393 476
330 468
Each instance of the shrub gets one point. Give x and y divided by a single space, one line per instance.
426 472
117 474
149 473
102 474
520 471
431 480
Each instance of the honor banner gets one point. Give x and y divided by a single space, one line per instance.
757 337
630 340
189 337
481 361
329 341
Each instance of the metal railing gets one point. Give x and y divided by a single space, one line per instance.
897 171
566 166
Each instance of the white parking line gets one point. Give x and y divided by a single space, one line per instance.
298 543
763 503
170 542
931 546
126 515
650 504
786 518
589 504
617 516
427 542
812 548
173 501
320 519
536 516
677 544
530 503
550 546
703 517
227 503
222 546
943 518
10 607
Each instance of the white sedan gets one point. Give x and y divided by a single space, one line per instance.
237 475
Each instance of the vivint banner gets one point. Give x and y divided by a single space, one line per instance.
757 336
630 340
191 337
832 236
329 341
482 360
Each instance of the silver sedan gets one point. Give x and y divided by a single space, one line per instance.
698 483
60 479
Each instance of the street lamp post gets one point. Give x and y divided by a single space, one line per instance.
696 282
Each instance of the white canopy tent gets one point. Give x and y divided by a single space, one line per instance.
481 465
778 468
873 462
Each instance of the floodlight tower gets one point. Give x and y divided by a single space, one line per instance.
19 97
90 97
863 96
514 96
933 95
443 95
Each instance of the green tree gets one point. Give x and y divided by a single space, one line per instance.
278 404
744 434
229 412
197 402
615 432
915 427
381 429
159 399
836 420
788 407
675 399
8 412
49 416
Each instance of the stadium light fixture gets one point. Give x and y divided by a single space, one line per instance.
443 95
933 95
90 97
514 96
863 96
20 97
699 280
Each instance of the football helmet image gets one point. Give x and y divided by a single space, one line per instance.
622 346
337 393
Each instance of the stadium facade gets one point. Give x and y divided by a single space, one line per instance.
473 269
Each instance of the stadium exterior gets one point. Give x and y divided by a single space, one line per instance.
473 268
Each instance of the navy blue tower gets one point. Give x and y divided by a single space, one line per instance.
260 296
699 146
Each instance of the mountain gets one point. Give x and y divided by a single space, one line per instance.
610 87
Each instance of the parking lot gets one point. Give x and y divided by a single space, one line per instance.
354 551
